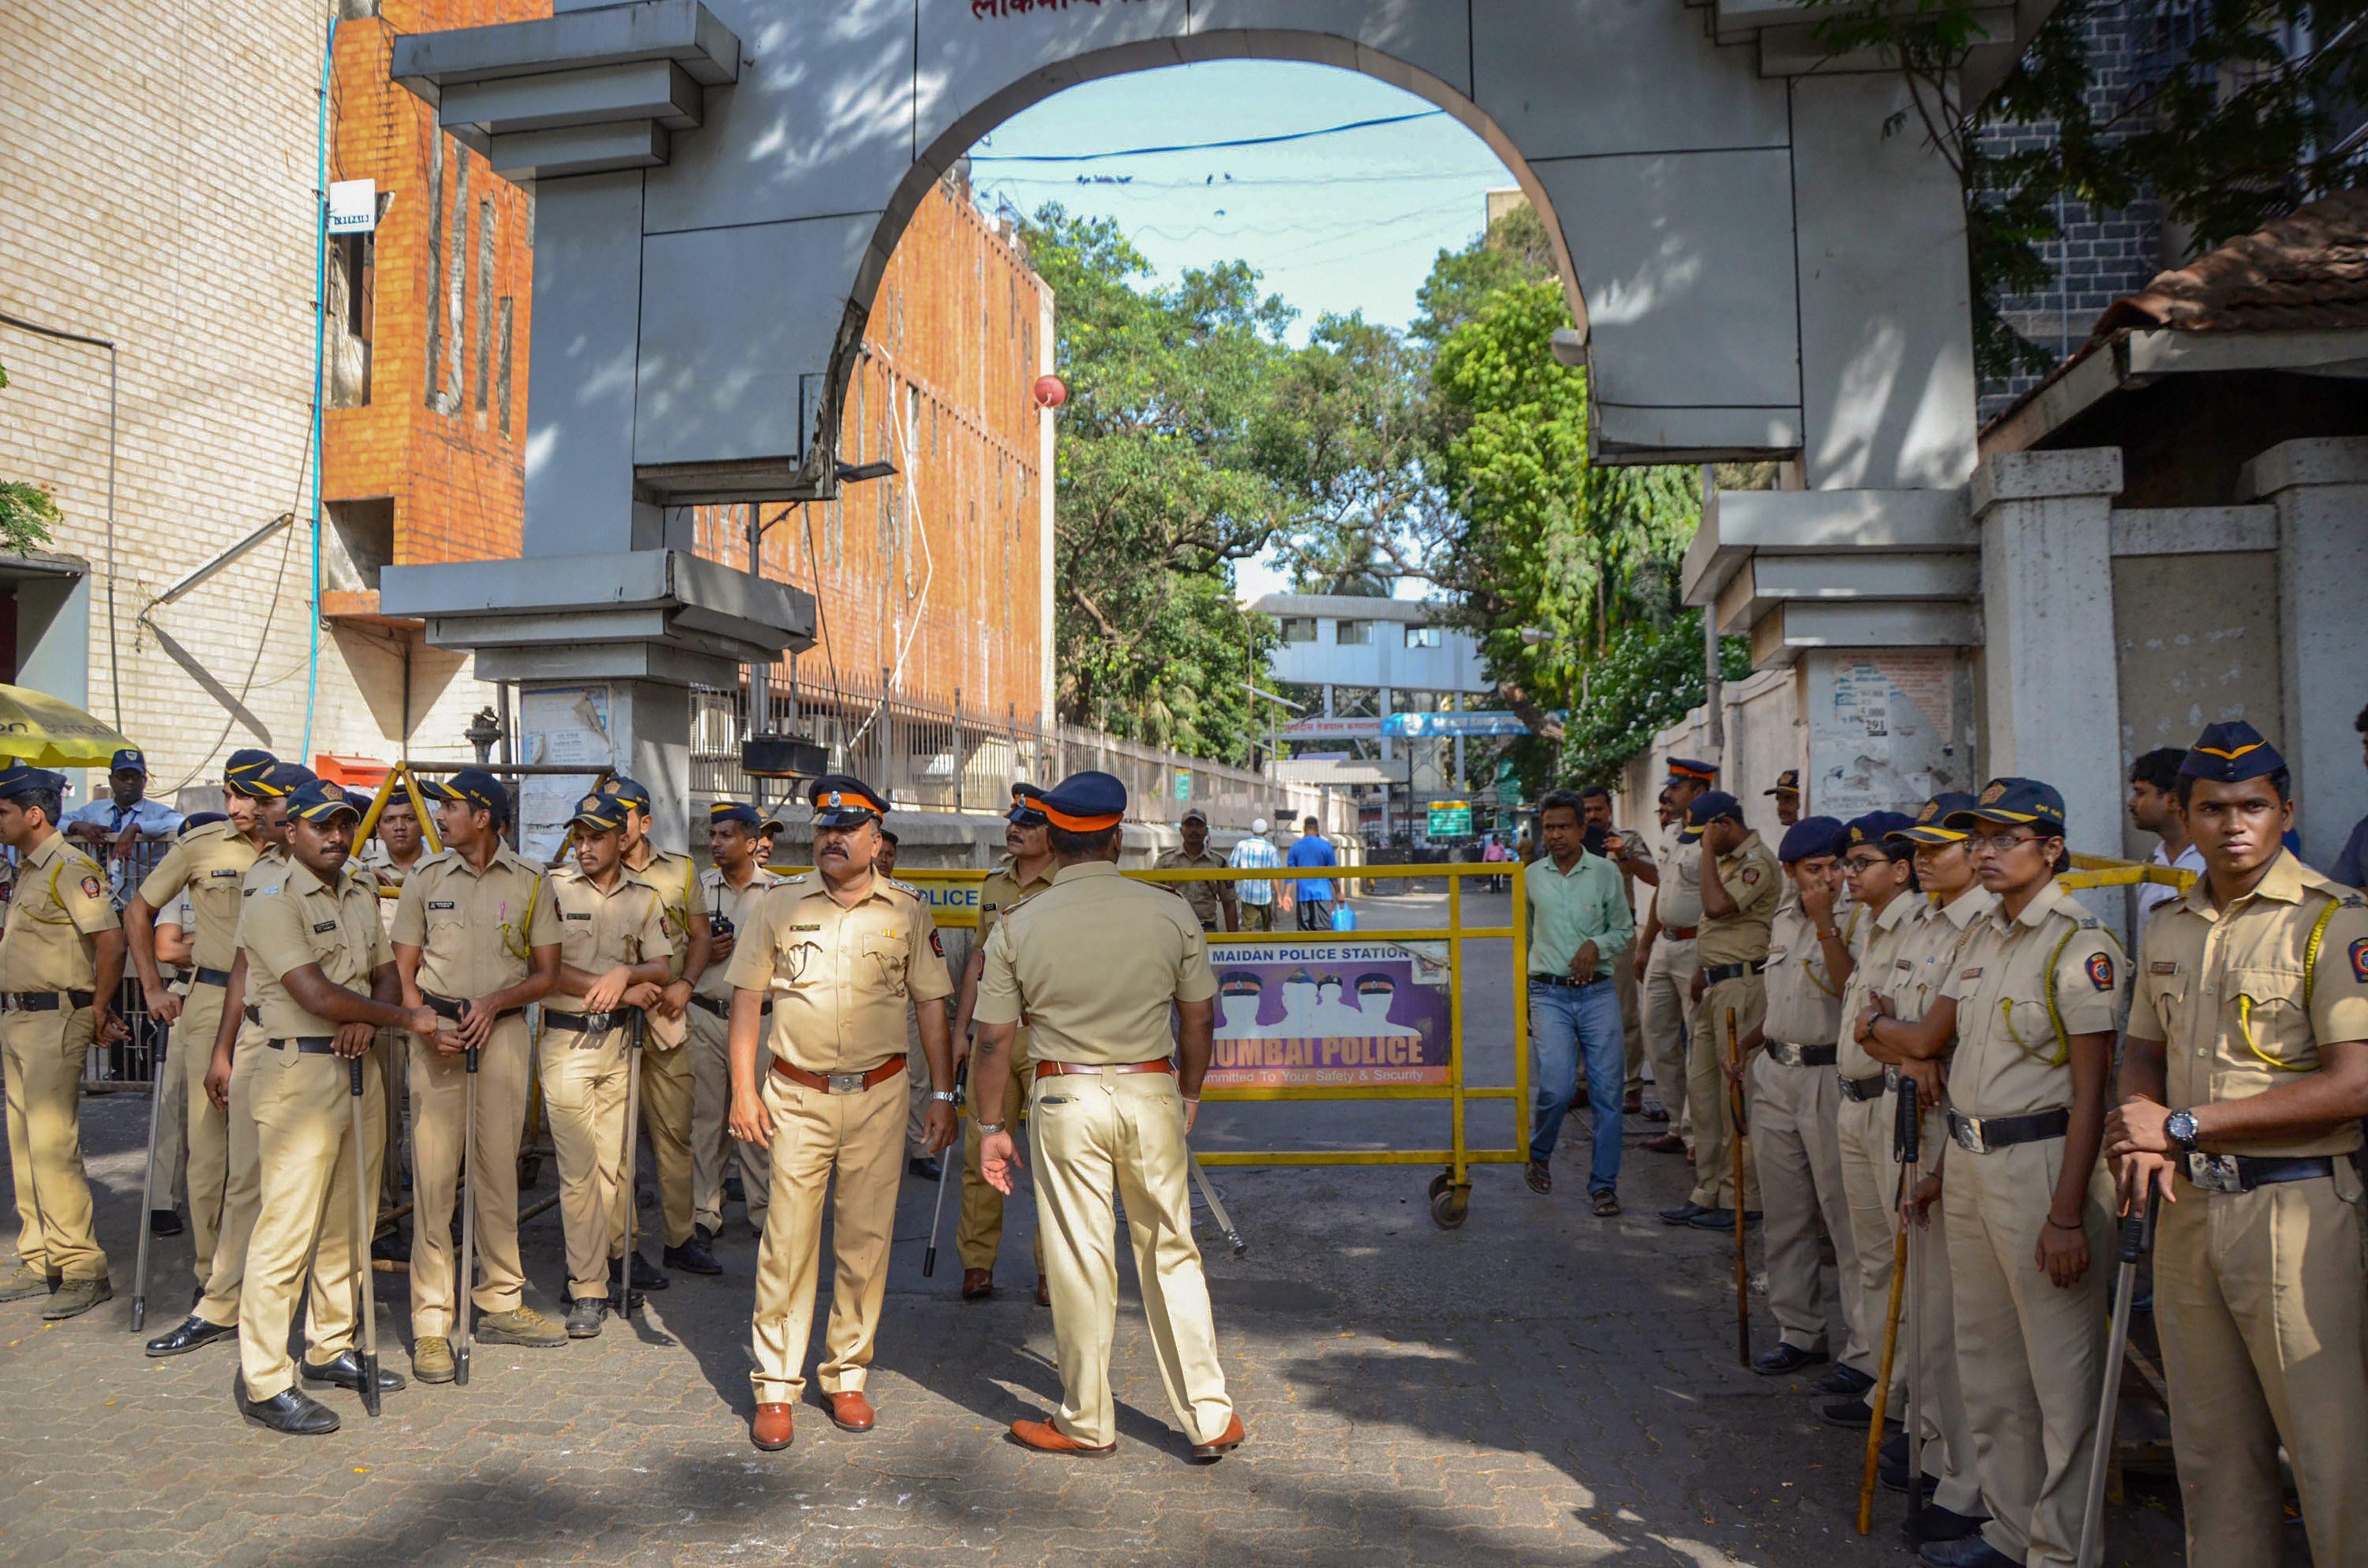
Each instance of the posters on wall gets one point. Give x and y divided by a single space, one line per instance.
1888 730
559 724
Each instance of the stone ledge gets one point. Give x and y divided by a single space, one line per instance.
2045 476
2323 459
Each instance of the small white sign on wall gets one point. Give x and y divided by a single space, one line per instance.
353 206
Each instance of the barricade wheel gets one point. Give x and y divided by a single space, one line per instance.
1437 1185
1449 1207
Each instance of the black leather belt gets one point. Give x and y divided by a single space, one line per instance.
588 1023
1790 1055
452 1010
2242 1173
1681 933
306 1045
1721 974
45 1001
722 1008
214 977
1859 1091
1539 977
1981 1134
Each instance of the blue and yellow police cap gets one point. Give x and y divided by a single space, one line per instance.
1875 828
318 801
633 792
129 760
601 814
1787 783
248 772
1084 802
841 800
2012 800
17 779
2230 754
1929 827
1712 806
1808 839
471 785
738 812
1689 771
287 778
1024 812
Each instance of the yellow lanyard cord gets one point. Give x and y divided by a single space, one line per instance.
2309 987
2055 1013
57 868
514 937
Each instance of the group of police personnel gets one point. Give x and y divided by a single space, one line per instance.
1861 962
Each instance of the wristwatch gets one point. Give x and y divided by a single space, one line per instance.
986 1127
2180 1130
946 1095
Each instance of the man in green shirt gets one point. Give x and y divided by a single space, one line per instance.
1580 925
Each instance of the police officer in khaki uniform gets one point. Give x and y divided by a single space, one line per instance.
1214 903
842 952
2034 1009
1096 964
208 865
1665 961
60 958
1025 870
2244 1081
920 1092
669 1083
1794 1094
614 953
1740 884
476 941
732 888
323 982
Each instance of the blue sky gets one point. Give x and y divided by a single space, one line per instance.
1343 222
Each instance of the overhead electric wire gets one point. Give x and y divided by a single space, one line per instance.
1203 146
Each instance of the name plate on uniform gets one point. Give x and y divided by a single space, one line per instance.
1330 1014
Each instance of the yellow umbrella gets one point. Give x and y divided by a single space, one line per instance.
42 730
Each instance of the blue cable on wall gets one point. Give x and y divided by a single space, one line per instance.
319 354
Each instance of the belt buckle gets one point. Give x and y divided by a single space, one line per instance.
1967 1130
1786 1053
846 1083
2215 1173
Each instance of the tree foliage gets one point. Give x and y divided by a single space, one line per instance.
27 513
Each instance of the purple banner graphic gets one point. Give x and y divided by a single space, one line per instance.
1330 1014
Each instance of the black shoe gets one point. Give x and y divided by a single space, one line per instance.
925 1167
291 1411
1713 1220
390 1246
192 1333
1847 1382
692 1257
345 1372
1683 1214
1968 1552
1893 1451
583 1315
1538 1177
164 1223
1936 1523
646 1278
1786 1359
734 1191
1849 1413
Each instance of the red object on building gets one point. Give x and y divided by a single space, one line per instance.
359 772
1051 392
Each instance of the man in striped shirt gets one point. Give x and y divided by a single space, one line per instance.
1255 853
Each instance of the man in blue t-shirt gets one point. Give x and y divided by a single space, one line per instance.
1314 893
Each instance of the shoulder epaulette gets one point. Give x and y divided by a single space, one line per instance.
908 888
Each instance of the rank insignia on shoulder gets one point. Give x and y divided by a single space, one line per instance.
905 887
2101 970
90 887
2352 901
2360 961
323 927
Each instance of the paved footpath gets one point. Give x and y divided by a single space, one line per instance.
1539 1387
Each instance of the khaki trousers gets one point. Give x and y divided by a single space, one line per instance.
1632 1021
860 1138
304 1125
669 1092
1863 1132
2257 1297
1706 1099
1663 1017
1799 1161
584 1089
978 1234
2029 1356
394 1057
916 1099
168 1167
241 1183
207 1129
42 1053
1125 1130
440 1114
712 1144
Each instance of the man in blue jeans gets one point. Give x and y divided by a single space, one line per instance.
1579 926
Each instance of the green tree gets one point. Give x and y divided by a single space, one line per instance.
27 513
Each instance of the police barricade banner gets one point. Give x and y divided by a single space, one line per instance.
1334 1014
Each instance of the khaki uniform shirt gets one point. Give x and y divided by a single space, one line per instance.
1805 1005
307 921
209 863
1755 881
1003 891
675 881
2222 990
739 907
2008 1061
476 930
1876 940
1206 898
841 979
1093 963
1929 948
61 902
600 929
1677 901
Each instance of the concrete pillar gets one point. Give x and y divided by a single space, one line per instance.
2320 489
2050 696
649 740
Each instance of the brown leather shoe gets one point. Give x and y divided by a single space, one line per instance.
1665 1143
1635 1104
978 1284
770 1430
1227 1441
1043 1291
849 1412
1047 1439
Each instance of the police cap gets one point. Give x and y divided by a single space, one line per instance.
841 800
1689 771
738 812
1877 828
2230 754
1024 812
471 785
1932 819
17 779
318 801
1710 806
129 760
1084 803
2012 800
601 814
1808 839
1787 783
633 792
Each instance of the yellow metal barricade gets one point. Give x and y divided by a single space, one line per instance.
953 896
